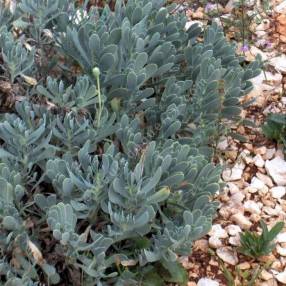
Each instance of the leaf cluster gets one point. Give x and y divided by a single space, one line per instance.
255 245
275 127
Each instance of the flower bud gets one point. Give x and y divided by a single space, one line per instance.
96 71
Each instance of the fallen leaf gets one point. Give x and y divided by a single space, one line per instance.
36 253
30 80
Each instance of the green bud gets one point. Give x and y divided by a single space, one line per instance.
96 72
160 196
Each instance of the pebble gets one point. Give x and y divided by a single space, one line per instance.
279 153
260 34
249 147
259 87
265 275
281 8
264 25
222 145
231 4
253 52
234 240
276 168
268 202
245 155
241 220
207 282
281 277
198 14
255 217
225 212
227 255
201 244
278 192
252 207
283 259
237 198
267 258
215 242
265 179
218 231
269 154
263 191
261 150
257 184
276 265
279 63
213 262
281 237
250 3
281 250
235 173
233 229
243 266
271 282
233 188
258 161
270 211
251 190
231 154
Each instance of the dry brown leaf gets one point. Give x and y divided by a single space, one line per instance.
130 262
5 86
30 80
36 253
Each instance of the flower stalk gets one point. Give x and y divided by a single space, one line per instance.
96 74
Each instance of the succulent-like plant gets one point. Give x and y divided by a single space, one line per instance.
17 60
106 164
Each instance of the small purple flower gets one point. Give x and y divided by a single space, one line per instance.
244 48
210 7
268 45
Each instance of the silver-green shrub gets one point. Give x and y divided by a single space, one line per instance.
106 167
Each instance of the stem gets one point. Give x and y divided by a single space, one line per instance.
243 23
219 14
99 102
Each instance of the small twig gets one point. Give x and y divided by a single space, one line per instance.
177 7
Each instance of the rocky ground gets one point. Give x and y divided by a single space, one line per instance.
255 172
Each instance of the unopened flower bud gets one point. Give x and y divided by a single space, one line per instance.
96 72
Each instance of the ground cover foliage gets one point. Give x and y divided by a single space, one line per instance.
275 128
106 167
